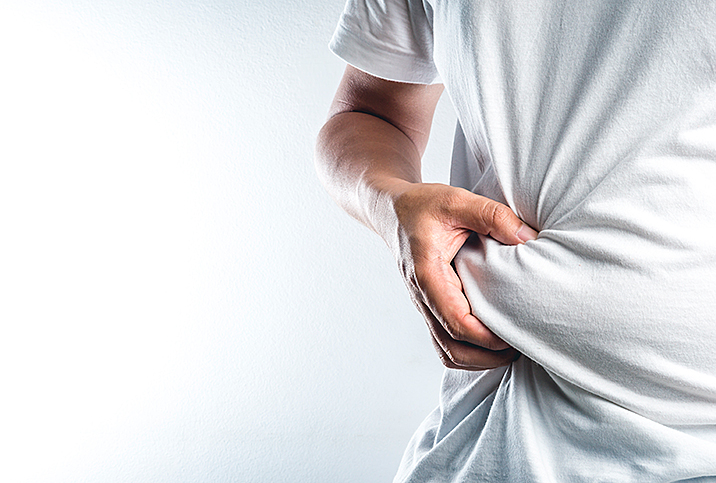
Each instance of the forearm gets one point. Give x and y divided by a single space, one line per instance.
363 161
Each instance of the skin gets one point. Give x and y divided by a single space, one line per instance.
368 158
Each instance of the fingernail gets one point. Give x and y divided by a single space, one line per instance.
525 233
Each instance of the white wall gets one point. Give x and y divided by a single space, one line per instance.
180 301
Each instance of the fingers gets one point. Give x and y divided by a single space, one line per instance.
461 340
462 355
442 292
488 217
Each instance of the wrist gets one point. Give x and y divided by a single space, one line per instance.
381 209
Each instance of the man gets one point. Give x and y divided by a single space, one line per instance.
595 123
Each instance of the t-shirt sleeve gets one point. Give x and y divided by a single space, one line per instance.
391 39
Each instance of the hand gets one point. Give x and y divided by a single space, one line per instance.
433 222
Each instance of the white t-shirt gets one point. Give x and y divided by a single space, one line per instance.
595 121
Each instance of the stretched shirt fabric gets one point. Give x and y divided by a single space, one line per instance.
595 121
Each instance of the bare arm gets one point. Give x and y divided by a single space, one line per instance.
368 157
375 136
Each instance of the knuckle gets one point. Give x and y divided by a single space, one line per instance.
453 328
498 214
453 356
444 359
447 357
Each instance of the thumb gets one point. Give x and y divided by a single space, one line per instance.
488 217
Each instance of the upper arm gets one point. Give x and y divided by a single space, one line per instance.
408 107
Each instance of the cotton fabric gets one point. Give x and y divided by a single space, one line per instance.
595 121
